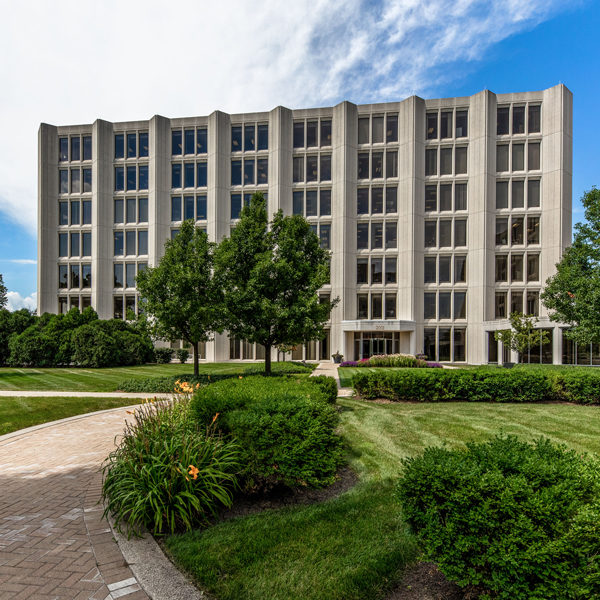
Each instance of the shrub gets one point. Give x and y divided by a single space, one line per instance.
395 360
168 474
328 386
163 355
581 386
182 355
349 363
285 427
508 519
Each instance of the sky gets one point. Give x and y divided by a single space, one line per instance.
79 60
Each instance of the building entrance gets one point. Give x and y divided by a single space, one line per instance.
370 343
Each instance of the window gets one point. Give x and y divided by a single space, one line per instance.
74 276
119 145
201 141
502 157
376 307
376 235
501 194
201 210
445 233
501 268
430 240
236 139
188 207
131 145
502 115
63 213
118 275
518 119
63 277
429 307
118 210
174 233
63 149
391 234
391 128
460 305
390 306
118 307
119 179
460 269
142 210
325 167
188 175
390 269
311 203
429 269
176 175
363 130
362 236
142 242
142 177
130 275
86 276
298 169
75 148
516 301
263 137
130 243
63 181
431 161
430 198
87 180
533 230
130 211
363 165
143 145
201 174
298 202
533 193
176 146
376 270
325 202
75 217
362 306
176 208
377 200
131 178
75 181
311 168
501 232
262 171
189 145
533 121
377 165
516 267
460 159
518 157
459 345
63 244
391 163
249 139
236 205
444 269
446 196
533 156
516 224
518 194
533 302
74 244
461 123
299 134
86 212
533 267
311 134
391 200
86 244
445 161
325 133
362 270
236 172
446 124
500 305
87 147
432 123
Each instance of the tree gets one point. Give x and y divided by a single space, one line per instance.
3 292
179 296
270 275
573 293
522 333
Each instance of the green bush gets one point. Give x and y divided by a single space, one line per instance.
163 355
581 386
394 360
508 519
328 386
285 427
168 474
182 355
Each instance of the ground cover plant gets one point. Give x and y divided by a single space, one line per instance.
282 554
508 519
20 412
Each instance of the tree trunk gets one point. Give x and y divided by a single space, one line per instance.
195 351
267 359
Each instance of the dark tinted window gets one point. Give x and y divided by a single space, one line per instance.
63 244
236 138
201 207
189 141
176 175
249 140
391 128
326 133
518 119
263 137
63 149
236 205
75 148
202 176
131 178
176 208
299 135
119 145
63 213
236 172
325 202
119 179
201 141
176 146
143 149
87 147
131 145
502 116
311 133
143 177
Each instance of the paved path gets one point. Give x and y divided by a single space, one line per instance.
331 370
53 541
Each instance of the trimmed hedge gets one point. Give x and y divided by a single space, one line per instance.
508 520
328 386
285 428
480 385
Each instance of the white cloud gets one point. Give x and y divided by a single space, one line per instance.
75 61
21 261
15 301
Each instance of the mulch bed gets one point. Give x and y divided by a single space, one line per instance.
424 581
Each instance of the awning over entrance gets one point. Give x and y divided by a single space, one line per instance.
381 325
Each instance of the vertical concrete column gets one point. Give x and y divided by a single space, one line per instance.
159 188
480 226
47 269
102 218
280 160
344 132
411 194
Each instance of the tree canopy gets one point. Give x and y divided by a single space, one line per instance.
179 296
270 274
3 292
573 294
522 333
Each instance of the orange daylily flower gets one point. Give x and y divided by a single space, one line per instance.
193 472
215 417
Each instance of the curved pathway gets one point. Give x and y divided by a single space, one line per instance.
54 543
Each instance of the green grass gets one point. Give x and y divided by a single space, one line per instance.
99 380
356 545
18 413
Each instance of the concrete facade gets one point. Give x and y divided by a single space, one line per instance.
470 197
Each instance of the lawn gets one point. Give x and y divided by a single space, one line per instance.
18 413
356 545
99 380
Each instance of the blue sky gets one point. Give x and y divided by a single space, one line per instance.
73 62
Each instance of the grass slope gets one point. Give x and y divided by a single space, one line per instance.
18 413
355 546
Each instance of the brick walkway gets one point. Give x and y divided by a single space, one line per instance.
53 541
